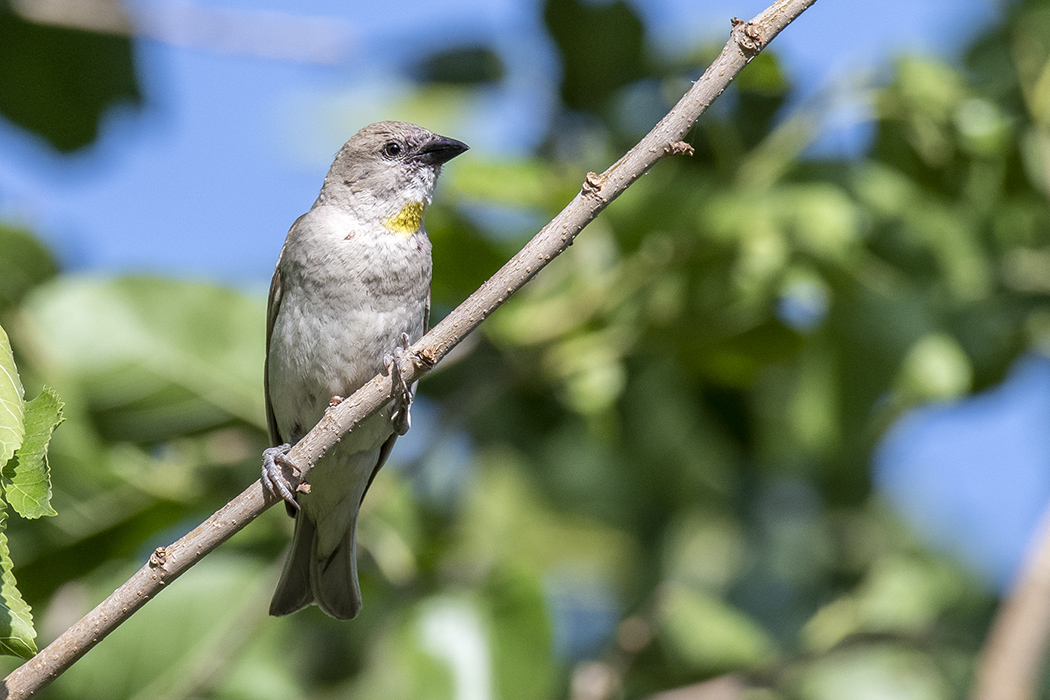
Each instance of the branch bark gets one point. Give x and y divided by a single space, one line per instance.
1011 663
166 564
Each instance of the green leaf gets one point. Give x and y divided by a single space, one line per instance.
25 264
12 402
463 65
58 81
163 357
212 613
874 671
595 63
16 620
707 634
902 595
935 369
27 478
520 637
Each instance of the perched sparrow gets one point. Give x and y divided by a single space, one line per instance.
351 291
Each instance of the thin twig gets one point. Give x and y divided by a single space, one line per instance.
1011 663
168 563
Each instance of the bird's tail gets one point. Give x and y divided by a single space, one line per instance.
330 581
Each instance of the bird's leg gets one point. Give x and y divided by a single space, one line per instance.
400 391
273 477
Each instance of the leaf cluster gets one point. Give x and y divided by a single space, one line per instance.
25 481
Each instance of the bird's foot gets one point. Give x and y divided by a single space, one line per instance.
396 364
274 478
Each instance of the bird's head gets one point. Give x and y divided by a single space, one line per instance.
388 171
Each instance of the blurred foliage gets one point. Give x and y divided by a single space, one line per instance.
652 467
25 264
57 81
464 65
602 47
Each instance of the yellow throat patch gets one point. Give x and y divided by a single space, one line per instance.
408 220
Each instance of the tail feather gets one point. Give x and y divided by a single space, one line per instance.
294 591
335 586
329 581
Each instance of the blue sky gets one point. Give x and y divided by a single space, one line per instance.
231 147
975 475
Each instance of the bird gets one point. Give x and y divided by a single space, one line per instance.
349 294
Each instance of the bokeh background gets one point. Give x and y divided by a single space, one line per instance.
782 410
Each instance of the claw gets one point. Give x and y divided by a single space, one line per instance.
273 477
400 392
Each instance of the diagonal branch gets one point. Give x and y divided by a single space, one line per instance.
1012 662
167 563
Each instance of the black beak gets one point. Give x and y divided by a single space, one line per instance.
440 149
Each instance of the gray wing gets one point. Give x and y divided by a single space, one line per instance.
273 305
426 316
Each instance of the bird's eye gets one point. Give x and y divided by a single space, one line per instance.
392 149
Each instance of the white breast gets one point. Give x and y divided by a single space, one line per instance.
348 293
